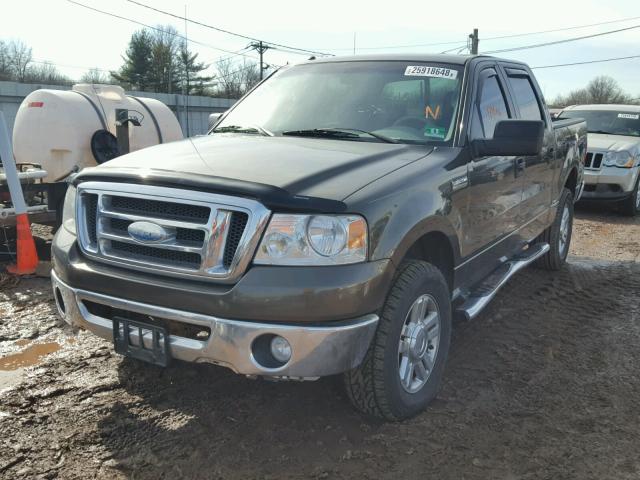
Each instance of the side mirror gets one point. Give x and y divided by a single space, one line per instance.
512 138
213 118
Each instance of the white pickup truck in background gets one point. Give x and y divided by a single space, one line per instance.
612 164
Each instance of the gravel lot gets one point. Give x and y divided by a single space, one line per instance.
544 384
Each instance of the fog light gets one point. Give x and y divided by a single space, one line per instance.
280 349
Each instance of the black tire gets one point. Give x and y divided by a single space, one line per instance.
631 205
375 387
556 257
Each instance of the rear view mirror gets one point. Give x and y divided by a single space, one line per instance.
213 118
512 138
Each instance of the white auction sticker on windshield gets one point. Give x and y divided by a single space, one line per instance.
424 71
629 115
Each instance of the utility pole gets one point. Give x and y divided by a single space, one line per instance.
260 48
474 41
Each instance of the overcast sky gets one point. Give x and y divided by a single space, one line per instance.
76 39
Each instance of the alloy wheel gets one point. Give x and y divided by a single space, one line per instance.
419 341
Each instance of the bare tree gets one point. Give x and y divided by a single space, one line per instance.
233 80
5 66
606 90
164 65
600 90
45 73
19 59
97 76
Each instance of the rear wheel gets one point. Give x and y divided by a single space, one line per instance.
631 206
402 370
558 234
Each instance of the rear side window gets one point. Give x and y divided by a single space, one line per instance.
525 98
491 108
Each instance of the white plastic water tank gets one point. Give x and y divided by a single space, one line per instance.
54 128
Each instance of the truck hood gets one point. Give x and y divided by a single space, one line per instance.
320 168
613 143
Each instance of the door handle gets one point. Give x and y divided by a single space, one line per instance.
521 165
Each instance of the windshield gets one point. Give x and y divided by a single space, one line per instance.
403 102
608 121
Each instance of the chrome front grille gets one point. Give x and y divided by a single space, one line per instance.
593 161
213 236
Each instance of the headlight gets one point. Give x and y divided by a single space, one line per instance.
313 240
619 159
69 210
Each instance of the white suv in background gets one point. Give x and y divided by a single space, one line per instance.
612 167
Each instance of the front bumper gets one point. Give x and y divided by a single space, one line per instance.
313 295
316 350
609 183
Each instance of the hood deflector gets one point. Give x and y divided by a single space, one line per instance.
274 198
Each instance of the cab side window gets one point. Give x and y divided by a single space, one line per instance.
491 107
525 97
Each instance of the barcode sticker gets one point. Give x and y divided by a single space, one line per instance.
629 115
424 71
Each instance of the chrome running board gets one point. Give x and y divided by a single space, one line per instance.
485 292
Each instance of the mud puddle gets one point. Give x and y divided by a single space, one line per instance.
12 367
29 356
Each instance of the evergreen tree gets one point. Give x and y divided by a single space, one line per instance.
136 71
156 60
191 80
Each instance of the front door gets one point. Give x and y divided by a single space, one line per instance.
494 189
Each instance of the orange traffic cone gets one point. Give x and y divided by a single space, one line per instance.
26 248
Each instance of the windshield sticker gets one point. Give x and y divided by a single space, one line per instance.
629 115
436 72
432 113
436 132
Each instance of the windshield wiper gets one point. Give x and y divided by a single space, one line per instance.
247 129
337 133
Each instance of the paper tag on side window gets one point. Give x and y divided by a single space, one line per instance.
629 115
436 72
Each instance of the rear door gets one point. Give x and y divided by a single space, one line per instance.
535 172
494 191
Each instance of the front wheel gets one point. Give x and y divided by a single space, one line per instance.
558 234
631 206
402 370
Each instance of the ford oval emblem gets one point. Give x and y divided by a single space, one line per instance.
148 232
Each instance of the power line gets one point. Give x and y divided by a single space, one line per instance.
175 34
576 27
228 32
500 37
288 50
459 48
435 44
557 42
587 62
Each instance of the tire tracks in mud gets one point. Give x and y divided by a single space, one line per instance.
543 384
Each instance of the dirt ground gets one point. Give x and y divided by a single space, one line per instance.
545 384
